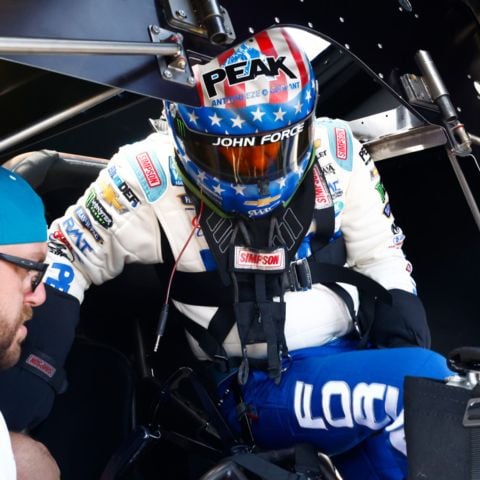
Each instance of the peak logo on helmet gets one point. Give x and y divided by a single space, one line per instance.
246 70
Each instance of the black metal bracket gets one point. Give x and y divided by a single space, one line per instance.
175 68
201 17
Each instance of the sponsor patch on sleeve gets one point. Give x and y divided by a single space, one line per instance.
322 194
60 276
150 175
341 146
83 218
124 188
97 210
175 177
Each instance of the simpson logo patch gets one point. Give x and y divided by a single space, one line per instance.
322 195
249 259
149 174
341 150
148 169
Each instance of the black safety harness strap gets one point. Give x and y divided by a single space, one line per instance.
263 468
260 319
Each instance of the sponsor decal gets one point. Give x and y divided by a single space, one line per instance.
322 195
111 197
250 259
75 234
41 365
59 245
328 169
398 240
253 141
335 190
185 199
341 150
259 212
365 156
150 175
381 191
262 202
148 170
124 188
82 217
339 207
374 175
180 127
409 267
317 143
64 276
396 229
100 215
245 70
387 211
175 177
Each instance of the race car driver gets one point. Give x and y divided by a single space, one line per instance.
289 269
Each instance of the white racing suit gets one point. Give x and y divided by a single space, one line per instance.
330 394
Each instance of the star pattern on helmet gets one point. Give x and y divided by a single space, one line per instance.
258 114
279 114
237 121
227 118
239 189
215 119
218 189
193 117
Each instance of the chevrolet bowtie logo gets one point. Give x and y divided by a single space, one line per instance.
262 202
110 196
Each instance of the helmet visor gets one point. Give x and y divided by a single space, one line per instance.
246 159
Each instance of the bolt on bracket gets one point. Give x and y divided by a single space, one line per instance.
174 68
206 18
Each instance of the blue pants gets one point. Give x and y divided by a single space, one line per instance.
345 401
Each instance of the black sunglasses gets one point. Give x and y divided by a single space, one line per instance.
41 268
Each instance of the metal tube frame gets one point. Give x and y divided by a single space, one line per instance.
27 46
57 118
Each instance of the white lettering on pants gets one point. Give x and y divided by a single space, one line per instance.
357 406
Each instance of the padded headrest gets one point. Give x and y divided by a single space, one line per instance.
48 170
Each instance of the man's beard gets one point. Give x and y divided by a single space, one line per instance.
10 348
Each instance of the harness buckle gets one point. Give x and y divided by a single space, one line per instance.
471 417
299 275
221 363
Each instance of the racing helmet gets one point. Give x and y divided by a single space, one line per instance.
249 144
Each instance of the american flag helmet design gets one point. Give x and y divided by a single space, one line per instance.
256 97
265 83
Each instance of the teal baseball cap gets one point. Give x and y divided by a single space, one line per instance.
22 214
